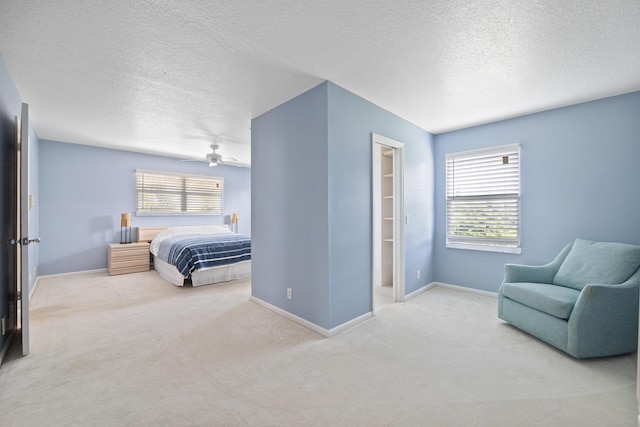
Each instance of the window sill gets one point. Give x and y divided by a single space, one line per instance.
178 214
485 248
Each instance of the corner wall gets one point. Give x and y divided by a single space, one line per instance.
579 179
311 180
352 120
289 202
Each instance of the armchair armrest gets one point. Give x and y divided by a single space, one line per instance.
535 273
605 316
529 273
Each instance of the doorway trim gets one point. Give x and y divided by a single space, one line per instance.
23 227
398 214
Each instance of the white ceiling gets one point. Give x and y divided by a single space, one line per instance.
165 77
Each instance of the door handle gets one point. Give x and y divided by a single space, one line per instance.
26 241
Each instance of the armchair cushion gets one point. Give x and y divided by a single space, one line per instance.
597 262
558 301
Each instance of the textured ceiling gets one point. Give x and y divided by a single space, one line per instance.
165 77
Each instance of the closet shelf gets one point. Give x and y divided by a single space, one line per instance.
389 239
388 218
388 175
388 153
388 197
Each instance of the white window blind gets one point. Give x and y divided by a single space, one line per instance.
483 199
160 193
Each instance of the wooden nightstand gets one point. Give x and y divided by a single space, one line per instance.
128 258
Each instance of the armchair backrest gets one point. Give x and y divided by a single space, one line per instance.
597 262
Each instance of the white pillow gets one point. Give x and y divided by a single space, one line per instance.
184 230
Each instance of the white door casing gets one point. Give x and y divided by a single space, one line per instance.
23 206
398 215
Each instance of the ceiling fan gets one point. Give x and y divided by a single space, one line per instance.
215 159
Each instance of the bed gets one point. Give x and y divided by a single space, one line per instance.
200 255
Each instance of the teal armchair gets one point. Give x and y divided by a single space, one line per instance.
584 302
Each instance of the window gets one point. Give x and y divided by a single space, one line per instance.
483 199
161 193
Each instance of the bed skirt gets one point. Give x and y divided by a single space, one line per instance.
207 276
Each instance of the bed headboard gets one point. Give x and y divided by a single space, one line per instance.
146 234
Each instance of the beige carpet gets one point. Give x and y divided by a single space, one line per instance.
133 350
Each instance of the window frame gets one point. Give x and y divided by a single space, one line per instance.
508 198
183 192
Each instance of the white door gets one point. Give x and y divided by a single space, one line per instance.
23 226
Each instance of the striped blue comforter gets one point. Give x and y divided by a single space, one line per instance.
194 252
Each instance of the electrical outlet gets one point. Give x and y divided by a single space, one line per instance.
418 275
288 293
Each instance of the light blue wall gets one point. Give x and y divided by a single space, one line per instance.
312 178
580 178
85 189
352 120
289 206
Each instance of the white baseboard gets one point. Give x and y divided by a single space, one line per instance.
462 289
333 331
35 285
315 328
419 291
351 323
97 270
